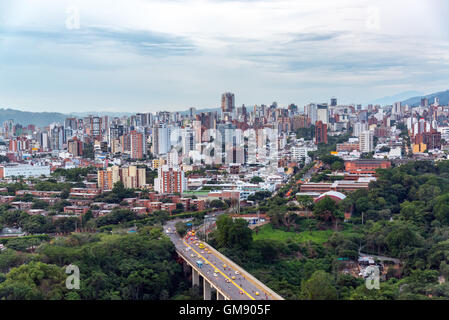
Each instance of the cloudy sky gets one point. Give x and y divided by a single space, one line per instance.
144 55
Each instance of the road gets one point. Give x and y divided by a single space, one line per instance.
234 284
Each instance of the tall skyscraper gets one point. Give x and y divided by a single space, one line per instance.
96 128
323 113
320 132
57 137
311 112
137 145
161 139
333 102
396 108
424 102
227 102
188 141
366 141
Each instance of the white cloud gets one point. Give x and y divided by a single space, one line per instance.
174 53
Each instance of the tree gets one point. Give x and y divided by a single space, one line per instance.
337 165
256 179
233 234
35 280
305 202
320 286
441 208
327 211
181 228
400 238
39 204
218 204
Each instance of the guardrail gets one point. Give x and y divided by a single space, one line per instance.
247 275
220 290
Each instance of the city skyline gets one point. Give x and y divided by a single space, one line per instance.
78 56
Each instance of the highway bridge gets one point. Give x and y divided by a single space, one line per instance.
230 281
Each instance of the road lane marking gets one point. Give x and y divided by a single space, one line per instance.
249 279
241 289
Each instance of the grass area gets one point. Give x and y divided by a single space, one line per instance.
267 232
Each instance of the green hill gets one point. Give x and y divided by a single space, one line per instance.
40 119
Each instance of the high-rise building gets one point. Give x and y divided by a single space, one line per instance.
172 158
227 102
75 147
300 121
320 132
188 141
137 145
323 113
396 108
108 177
71 123
366 141
436 102
424 102
359 127
96 128
311 112
161 139
57 137
333 102
132 177
170 180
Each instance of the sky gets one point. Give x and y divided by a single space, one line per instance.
147 56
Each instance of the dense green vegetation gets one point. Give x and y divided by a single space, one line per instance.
112 267
404 215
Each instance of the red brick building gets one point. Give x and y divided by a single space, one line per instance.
320 132
366 165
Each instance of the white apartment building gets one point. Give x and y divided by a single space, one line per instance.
24 170
366 141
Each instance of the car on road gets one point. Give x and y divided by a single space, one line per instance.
215 275
236 272
233 277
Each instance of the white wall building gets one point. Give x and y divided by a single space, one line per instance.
23 170
366 141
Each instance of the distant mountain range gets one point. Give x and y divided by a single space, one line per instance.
416 101
42 119
397 97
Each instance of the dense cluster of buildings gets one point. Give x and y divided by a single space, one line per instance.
216 154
